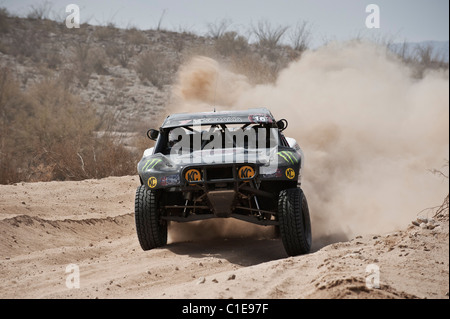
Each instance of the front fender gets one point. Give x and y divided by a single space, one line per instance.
156 171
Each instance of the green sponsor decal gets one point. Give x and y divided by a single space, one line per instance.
288 157
150 164
280 154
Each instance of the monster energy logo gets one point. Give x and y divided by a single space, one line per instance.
288 157
150 164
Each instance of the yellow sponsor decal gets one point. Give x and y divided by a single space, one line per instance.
290 173
193 175
246 172
152 181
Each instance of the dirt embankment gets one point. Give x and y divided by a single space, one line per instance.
45 227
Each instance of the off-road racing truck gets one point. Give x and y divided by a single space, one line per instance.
223 164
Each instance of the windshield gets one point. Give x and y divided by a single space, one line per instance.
189 139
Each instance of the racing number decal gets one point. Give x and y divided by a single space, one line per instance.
152 181
193 175
257 118
246 172
290 173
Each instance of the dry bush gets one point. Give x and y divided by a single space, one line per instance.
61 127
420 57
203 49
426 57
87 60
217 29
255 68
110 159
231 43
178 43
156 68
47 133
269 40
26 44
82 68
116 96
124 55
268 36
135 37
300 36
40 11
444 207
14 107
106 33
52 56
161 18
97 60
4 20
119 53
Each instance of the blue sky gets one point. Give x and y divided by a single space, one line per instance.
411 20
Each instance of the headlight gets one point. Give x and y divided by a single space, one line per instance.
246 172
193 175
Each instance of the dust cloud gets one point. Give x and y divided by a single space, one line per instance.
370 132
218 228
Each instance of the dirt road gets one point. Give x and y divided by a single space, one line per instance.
47 228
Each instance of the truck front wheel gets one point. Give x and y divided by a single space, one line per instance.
151 229
294 221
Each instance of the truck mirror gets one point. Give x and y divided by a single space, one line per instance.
153 134
282 124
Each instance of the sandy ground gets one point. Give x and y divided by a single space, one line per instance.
47 227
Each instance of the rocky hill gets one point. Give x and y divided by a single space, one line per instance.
126 74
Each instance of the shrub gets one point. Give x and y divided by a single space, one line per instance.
231 43
14 108
26 44
268 37
300 36
106 33
258 70
88 60
119 53
156 68
135 37
3 20
47 133
217 29
40 11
